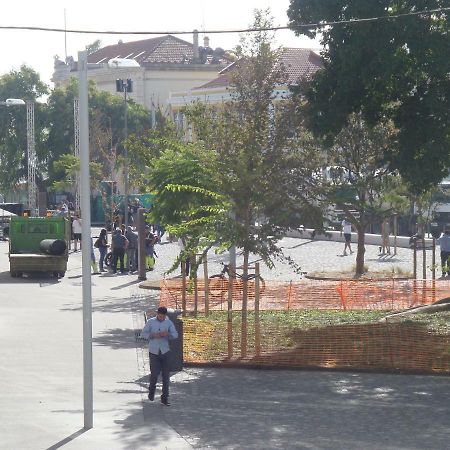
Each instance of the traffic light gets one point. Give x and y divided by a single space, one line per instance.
129 85
119 85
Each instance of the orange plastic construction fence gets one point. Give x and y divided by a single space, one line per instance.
387 295
280 328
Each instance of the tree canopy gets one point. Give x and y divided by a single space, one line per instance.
387 69
24 84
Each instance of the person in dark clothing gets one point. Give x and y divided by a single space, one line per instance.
119 244
444 242
132 249
158 330
102 244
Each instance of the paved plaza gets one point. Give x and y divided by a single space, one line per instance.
41 392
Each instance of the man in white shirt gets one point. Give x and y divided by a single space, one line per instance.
158 330
76 229
347 229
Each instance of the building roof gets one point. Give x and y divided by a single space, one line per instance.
300 63
161 50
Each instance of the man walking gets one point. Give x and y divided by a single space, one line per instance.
158 330
347 229
444 242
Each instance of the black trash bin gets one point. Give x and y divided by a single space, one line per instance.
176 345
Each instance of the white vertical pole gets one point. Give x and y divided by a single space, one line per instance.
31 156
86 241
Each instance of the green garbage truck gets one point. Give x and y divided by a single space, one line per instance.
38 244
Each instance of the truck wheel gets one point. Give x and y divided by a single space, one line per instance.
13 274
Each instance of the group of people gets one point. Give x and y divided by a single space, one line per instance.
124 242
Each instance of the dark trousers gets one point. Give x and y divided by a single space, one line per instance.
118 254
159 363
445 262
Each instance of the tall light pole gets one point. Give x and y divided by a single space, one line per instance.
86 240
125 86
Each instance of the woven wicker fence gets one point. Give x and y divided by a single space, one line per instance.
330 324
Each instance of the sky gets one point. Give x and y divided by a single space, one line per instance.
37 48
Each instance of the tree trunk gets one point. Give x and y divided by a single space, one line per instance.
439 306
360 252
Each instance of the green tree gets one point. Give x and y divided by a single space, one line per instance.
359 182
70 165
263 167
26 85
94 46
387 69
106 119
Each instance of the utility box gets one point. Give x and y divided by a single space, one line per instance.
28 240
176 345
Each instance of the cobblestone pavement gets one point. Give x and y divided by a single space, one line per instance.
310 256
264 409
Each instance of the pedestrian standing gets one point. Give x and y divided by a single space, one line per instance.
131 249
93 261
150 241
347 230
158 330
385 232
444 242
119 244
102 244
76 228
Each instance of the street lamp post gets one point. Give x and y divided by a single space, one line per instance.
86 241
125 86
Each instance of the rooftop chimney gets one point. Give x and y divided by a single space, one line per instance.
195 49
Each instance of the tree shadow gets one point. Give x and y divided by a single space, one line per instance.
375 346
116 338
117 305
282 409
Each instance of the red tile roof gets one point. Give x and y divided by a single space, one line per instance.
164 49
300 63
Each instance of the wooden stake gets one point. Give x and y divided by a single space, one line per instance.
194 262
230 313
257 323
205 275
415 258
183 287
424 257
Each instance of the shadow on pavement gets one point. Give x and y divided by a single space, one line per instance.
241 408
116 338
67 439
110 305
122 286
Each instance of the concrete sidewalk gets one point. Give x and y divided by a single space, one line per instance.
41 393
41 374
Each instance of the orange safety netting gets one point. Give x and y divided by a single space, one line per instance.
377 346
308 294
311 323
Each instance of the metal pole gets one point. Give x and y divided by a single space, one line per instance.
141 245
86 241
125 155
31 157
